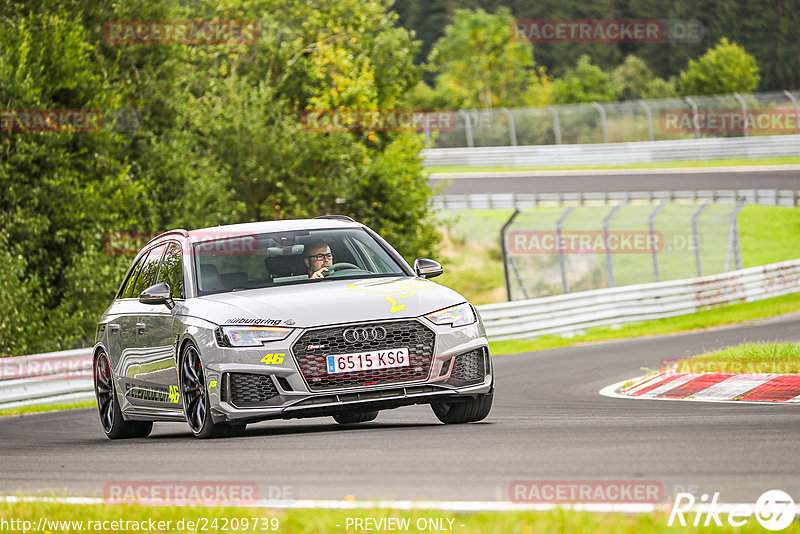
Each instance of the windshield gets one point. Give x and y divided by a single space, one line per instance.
238 261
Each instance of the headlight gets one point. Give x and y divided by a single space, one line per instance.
251 336
460 315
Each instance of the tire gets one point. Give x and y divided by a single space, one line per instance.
114 425
194 397
351 418
466 411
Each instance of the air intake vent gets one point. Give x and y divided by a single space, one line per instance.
250 390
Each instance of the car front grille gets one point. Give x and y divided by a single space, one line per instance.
312 348
470 367
248 390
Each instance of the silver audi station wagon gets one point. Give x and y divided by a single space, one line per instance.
236 324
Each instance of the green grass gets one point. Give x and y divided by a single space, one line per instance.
471 252
769 234
746 358
48 407
734 313
317 521
736 162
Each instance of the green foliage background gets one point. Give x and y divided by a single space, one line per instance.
211 136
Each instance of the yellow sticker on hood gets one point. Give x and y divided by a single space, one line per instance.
392 291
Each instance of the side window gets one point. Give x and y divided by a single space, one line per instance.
172 270
149 272
128 291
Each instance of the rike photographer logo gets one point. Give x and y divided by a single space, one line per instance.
774 510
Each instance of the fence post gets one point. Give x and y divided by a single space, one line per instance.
504 252
512 128
603 121
651 222
556 124
696 237
609 262
467 128
791 97
694 116
562 267
744 113
649 118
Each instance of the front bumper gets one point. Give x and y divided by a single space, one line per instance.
244 389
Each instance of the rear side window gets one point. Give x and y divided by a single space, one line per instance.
149 272
172 270
127 292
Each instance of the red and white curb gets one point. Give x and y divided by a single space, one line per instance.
717 387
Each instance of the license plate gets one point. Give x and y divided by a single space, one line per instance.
367 361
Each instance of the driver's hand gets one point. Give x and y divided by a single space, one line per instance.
318 274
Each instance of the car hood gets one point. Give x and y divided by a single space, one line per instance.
326 302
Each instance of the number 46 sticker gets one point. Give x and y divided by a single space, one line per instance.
275 358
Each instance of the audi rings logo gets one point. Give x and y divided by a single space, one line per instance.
370 333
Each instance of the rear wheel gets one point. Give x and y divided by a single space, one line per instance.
194 397
355 417
464 411
111 419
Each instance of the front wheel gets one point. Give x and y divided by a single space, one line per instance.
355 417
464 411
111 419
194 397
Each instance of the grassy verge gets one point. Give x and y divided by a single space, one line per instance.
48 407
731 314
736 162
746 358
322 521
473 267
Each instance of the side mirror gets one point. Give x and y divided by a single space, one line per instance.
426 268
157 294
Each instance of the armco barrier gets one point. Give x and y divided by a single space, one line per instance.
482 201
574 312
61 376
767 146
46 378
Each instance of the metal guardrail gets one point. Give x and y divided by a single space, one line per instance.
46 378
770 146
481 201
574 312
65 376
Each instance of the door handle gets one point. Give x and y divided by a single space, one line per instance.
140 327
113 328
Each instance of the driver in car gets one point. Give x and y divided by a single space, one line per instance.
318 258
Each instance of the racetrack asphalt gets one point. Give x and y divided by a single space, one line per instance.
611 180
548 423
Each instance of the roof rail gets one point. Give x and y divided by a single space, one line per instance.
181 231
344 218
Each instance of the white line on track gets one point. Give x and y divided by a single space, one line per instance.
448 506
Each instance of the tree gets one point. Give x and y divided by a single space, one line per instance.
479 65
724 69
633 79
584 83
218 140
